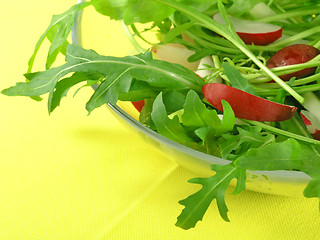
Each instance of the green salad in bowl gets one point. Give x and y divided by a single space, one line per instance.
231 88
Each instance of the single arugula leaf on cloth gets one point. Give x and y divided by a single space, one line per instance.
118 70
213 187
286 155
236 79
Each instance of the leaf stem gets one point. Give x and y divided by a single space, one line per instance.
282 132
229 33
290 14
132 40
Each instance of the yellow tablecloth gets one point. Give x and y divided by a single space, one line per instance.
73 176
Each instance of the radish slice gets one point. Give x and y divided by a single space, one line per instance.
251 32
138 105
311 123
261 10
175 53
245 105
202 69
294 54
316 134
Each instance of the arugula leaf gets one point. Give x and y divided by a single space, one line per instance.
51 36
206 123
170 128
239 7
108 90
114 9
173 100
139 90
294 125
197 115
236 79
64 85
286 155
213 187
156 73
132 11
176 31
312 190
57 32
235 145
200 5
145 114
144 11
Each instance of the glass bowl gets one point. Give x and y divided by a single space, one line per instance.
94 31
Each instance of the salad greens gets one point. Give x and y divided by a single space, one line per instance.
174 104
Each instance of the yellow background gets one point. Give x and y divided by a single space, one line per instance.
73 176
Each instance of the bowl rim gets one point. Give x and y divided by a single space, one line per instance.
289 175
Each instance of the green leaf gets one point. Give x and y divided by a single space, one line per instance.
57 32
295 125
236 79
132 11
51 36
248 137
144 11
200 5
239 7
113 8
170 128
63 86
197 115
213 187
39 83
139 90
312 189
145 114
176 31
108 90
141 12
173 100
156 73
199 54
286 155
